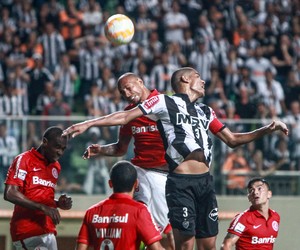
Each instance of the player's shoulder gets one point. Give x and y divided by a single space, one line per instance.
274 214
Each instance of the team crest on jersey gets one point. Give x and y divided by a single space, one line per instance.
275 225
54 173
185 224
213 215
151 102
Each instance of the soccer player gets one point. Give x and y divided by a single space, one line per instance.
119 222
184 125
30 185
148 154
257 227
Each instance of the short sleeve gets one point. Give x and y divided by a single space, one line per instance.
147 228
83 235
17 171
238 225
215 124
153 105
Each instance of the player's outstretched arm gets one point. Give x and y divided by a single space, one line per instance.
118 148
229 241
114 119
13 195
236 139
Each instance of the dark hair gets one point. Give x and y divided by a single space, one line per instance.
176 77
123 176
256 179
52 133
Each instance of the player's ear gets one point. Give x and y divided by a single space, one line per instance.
184 79
110 184
269 194
45 141
136 185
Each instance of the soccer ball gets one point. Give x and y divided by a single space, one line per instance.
119 29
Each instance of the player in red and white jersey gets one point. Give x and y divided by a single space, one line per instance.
119 222
257 227
149 154
30 185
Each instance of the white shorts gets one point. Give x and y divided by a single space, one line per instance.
40 242
151 191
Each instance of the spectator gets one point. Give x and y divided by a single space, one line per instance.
8 150
293 118
90 62
97 176
70 23
58 107
245 108
65 75
283 58
161 74
246 83
176 57
17 80
236 170
53 46
257 66
174 23
37 77
219 47
45 98
91 16
26 19
204 30
144 24
202 60
273 95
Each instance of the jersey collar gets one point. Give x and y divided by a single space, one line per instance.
185 97
120 196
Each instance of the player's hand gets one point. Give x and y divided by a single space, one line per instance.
52 212
279 125
91 150
75 129
64 202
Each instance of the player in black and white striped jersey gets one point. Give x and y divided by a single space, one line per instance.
184 125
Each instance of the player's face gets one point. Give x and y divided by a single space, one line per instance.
54 148
259 193
131 89
197 84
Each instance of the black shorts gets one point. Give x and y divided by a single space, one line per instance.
192 203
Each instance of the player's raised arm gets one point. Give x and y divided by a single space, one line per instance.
236 139
114 119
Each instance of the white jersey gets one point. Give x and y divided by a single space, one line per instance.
183 125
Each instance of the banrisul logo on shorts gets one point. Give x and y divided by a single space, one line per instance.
213 215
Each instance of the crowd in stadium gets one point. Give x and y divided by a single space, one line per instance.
56 61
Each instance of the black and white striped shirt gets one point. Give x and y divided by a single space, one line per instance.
53 46
183 125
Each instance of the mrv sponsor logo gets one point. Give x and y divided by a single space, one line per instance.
194 121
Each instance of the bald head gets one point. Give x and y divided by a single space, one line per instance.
127 77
